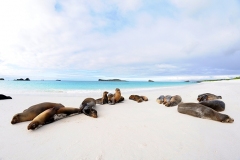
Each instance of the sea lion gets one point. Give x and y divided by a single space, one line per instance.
208 97
2 97
160 99
116 96
138 98
110 98
216 105
43 118
201 111
166 99
30 113
104 98
173 101
86 107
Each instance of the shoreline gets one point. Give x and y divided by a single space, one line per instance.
127 130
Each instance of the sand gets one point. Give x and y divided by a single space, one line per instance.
128 130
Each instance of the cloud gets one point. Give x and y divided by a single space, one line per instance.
118 38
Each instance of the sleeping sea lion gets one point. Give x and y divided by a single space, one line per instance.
2 96
30 113
216 105
207 97
201 111
43 118
173 101
160 99
86 107
138 98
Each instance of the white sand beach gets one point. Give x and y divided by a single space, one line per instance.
125 131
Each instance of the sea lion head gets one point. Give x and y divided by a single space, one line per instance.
160 99
105 92
117 90
33 125
202 98
227 119
132 97
16 119
93 113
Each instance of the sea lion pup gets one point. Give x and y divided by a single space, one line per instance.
216 105
43 118
2 97
87 107
104 98
166 99
160 99
207 97
30 113
136 98
173 101
201 111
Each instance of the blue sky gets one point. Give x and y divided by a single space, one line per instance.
126 39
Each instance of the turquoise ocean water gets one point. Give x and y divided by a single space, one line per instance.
78 87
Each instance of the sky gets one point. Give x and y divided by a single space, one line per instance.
162 40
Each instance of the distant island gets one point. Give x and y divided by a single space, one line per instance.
58 80
112 80
1 78
212 80
21 79
150 81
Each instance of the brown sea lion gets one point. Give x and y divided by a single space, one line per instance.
216 105
86 107
201 111
173 101
116 96
208 97
104 98
160 99
30 113
43 118
136 98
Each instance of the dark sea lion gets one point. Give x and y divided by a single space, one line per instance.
33 111
216 105
121 99
208 97
173 101
110 98
160 99
86 107
43 118
201 111
2 97
104 98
